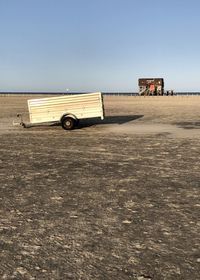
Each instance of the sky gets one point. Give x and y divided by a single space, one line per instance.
98 45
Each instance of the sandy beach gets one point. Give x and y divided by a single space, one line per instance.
112 199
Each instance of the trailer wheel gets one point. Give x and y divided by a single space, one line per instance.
68 123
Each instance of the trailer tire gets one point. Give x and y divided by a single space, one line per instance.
68 123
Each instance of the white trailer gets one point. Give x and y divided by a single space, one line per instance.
66 109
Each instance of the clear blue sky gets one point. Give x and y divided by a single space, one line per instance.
98 45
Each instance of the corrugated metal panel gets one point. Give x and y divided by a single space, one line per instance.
53 108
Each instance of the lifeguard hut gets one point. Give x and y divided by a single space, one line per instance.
151 86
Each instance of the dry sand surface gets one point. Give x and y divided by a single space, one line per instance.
112 199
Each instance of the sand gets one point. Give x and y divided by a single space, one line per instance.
126 115
112 199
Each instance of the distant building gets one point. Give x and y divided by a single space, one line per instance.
151 86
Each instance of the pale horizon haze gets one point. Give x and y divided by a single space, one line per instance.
98 45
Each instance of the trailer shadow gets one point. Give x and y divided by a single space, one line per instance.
90 122
108 120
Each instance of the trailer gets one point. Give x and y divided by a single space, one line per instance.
66 110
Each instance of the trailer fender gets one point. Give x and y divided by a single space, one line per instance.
69 116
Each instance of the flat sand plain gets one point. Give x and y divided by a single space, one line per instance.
112 199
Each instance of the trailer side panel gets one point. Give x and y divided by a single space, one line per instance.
51 109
